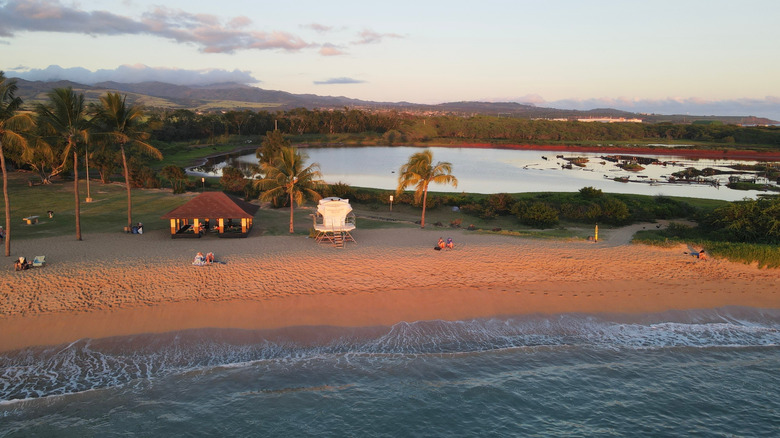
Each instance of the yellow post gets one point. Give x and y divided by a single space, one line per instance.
596 238
221 225
173 226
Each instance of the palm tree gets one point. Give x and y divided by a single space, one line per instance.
285 174
420 172
120 124
11 125
63 118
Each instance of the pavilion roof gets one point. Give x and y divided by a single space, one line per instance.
214 205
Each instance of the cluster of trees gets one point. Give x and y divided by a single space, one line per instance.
749 220
395 127
534 131
545 210
185 125
62 129
116 136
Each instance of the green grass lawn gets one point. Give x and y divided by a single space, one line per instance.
107 213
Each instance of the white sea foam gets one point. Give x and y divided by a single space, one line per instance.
94 364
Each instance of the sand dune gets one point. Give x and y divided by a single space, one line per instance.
118 284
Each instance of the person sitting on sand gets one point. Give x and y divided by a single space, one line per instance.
450 243
701 255
200 260
22 264
2 234
440 244
209 258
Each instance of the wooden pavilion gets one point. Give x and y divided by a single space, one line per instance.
212 212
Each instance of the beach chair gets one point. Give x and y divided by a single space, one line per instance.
39 261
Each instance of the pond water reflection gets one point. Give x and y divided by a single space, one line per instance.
510 171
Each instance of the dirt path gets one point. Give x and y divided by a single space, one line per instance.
623 236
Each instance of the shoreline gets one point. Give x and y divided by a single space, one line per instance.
92 289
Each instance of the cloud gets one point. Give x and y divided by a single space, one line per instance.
334 81
203 30
371 37
134 74
329 49
319 28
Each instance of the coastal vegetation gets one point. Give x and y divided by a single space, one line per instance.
357 127
12 125
287 174
63 126
420 172
140 150
117 124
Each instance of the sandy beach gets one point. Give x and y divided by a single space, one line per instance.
121 284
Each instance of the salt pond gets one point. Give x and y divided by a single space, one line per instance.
503 170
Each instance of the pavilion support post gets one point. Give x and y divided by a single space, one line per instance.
243 225
221 225
174 223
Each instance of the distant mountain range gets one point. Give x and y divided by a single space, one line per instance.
233 96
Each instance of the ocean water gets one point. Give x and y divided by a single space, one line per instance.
693 373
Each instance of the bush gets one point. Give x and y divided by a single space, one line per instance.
614 211
472 209
500 203
538 214
233 180
591 193
339 190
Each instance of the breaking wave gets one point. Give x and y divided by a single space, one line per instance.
92 364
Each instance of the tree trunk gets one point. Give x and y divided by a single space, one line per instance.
292 229
127 184
7 238
425 201
76 193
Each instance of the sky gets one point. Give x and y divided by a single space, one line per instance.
709 57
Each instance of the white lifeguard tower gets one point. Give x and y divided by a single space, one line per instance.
334 221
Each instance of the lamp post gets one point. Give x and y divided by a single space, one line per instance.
391 202
203 183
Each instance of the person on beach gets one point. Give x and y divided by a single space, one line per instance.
450 243
701 255
200 260
140 228
209 258
2 234
440 244
22 264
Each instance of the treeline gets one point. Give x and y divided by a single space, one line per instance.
396 127
185 125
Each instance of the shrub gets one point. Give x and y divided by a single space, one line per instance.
539 214
500 203
233 180
614 211
339 190
472 209
591 193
